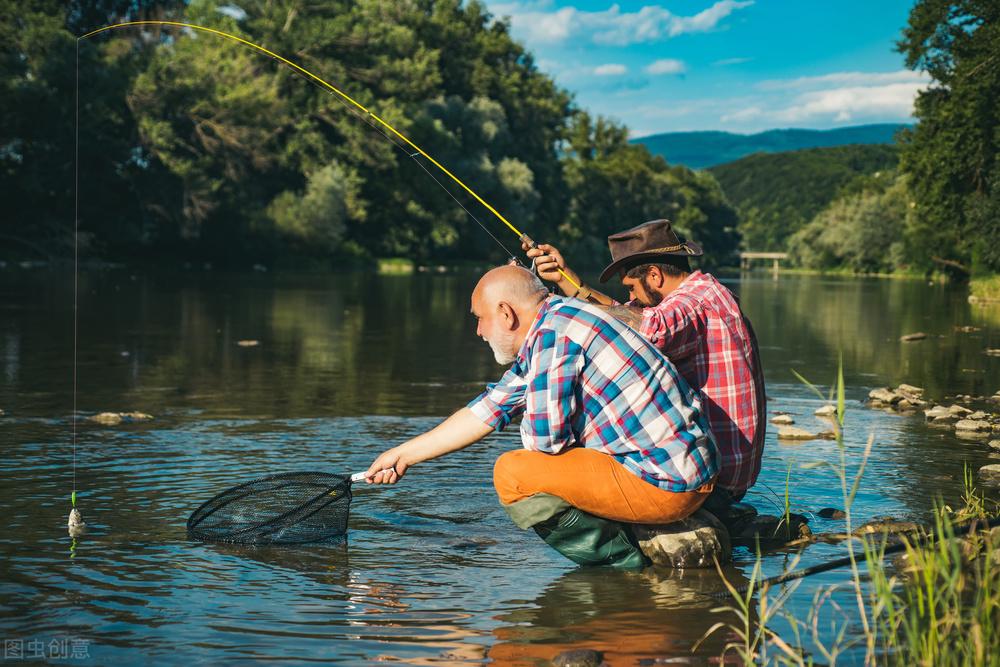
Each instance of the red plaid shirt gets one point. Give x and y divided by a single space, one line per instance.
700 328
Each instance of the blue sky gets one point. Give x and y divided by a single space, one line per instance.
735 65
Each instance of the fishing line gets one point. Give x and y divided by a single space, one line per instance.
350 102
76 253
413 156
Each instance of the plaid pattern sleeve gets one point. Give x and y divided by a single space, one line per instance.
503 401
582 378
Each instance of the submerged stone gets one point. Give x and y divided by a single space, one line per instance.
977 425
581 657
939 414
772 531
794 433
909 338
831 513
782 420
115 418
826 411
990 474
884 395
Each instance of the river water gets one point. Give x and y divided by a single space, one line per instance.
433 572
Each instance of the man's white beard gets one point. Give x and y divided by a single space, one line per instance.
503 357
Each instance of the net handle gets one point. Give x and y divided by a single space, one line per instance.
361 476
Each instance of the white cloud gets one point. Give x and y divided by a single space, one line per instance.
666 66
846 79
611 69
892 101
731 61
538 23
844 104
707 19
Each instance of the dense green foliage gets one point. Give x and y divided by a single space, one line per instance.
859 230
951 156
700 150
194 147
778 194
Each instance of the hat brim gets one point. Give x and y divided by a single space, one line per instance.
689 249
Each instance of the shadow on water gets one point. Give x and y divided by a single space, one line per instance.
343 367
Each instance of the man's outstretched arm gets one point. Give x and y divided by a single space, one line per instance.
456 432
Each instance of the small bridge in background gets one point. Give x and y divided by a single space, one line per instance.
747 257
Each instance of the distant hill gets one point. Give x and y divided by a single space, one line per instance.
699 150
775 194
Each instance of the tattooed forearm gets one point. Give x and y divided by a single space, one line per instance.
630 315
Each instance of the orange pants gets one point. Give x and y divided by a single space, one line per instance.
593 482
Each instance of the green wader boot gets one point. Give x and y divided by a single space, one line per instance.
581 537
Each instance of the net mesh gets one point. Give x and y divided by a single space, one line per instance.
288 508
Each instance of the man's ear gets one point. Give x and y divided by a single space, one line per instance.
655 277
508 314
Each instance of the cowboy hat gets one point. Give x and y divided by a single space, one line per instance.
644 244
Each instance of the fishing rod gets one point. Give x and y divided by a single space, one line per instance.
371 118
961 529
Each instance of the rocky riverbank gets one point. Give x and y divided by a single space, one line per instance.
970 417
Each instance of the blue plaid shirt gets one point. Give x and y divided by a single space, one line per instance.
582 378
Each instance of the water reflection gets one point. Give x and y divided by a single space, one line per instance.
627 616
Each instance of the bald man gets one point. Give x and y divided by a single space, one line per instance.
612 434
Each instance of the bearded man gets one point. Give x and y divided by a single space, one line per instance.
697 323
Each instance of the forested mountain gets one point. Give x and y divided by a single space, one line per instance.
776 194
699 150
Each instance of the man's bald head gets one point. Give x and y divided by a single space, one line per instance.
515 285
505 303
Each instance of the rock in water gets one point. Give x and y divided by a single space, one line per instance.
910 390
990 474
831 513
939 414
794 433
826 411
980 425
909 338
106 418
884 395
696 541
782 420
995 444
772 530
115 418
581 657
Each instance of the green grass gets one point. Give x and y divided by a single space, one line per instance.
938 606
396 266
986 287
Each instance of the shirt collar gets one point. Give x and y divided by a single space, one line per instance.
543 311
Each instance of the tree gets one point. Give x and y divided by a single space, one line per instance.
951 154
857 231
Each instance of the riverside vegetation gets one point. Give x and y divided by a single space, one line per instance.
938 210
938 604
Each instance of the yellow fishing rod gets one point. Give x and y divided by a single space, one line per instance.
349 102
